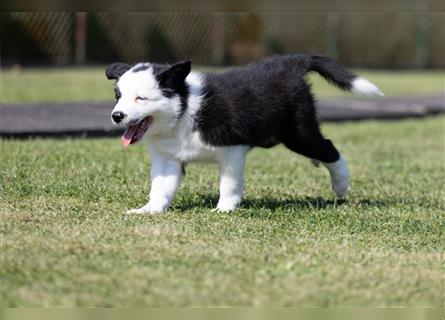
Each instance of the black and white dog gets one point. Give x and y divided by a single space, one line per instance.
189 116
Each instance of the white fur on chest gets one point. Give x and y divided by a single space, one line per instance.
184 143
184 147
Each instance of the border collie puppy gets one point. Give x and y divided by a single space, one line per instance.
186 116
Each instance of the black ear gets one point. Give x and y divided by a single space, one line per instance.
116 70
176 73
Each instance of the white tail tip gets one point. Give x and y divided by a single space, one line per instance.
362 86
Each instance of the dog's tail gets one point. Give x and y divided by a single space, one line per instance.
338 75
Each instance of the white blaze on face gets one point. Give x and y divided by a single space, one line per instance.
143 103
133 85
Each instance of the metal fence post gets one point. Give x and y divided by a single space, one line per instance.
333 26
218 38
422 43
80 37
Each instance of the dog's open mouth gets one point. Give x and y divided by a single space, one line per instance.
134 133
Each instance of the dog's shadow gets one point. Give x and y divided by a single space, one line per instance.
270 203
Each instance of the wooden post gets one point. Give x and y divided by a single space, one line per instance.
80 37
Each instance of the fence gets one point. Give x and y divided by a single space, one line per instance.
383 40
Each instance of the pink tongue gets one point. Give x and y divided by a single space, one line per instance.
128 135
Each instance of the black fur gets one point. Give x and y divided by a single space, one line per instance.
117 93
269 102
172 80
116 70
261 104
332 71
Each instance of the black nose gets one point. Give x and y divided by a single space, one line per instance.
118 116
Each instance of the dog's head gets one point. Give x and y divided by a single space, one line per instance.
149 97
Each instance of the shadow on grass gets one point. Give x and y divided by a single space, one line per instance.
267 203
299 203
270 203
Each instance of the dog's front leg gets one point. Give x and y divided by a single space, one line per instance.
166 176
231 184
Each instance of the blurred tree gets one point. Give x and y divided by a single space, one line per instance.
18 45
245 45
160 48
99 47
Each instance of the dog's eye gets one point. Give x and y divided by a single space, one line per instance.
139 98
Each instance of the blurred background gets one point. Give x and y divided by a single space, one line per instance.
66 243
371 40
58 58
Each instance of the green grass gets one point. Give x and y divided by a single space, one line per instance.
65 241
90 84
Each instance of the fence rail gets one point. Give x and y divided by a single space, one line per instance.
383 40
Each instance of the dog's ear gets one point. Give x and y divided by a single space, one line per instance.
176 73
116 70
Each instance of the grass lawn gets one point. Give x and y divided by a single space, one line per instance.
90 84
65 241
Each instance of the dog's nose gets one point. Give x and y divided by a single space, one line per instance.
118 116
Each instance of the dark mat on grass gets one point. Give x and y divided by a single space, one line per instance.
93 119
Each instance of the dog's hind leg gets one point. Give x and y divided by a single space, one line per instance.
231 184
339 176
308 141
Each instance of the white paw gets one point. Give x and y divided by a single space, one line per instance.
340 181
227 204
340 187
339 176
149 208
